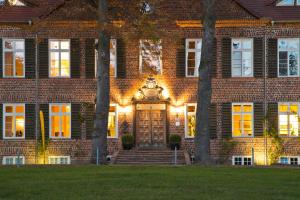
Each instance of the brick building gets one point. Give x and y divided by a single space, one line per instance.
52 68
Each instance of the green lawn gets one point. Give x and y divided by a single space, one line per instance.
139 183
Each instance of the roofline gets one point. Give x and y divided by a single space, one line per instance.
253 13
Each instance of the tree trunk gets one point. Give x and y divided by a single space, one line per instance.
103 88
202 138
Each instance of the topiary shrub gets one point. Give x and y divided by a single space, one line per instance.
175 141
127 141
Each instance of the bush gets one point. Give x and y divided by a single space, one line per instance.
175 141
127 141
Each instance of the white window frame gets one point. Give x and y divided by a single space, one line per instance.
294 3
242 50
141 57
14 160
13 114
116 113
289 159
186 118
59 157
14 50
110 61
243 161
59 51
196 51
288 64
289 106
242 113
60 115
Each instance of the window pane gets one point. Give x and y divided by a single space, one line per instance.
20 126
113 57
8 109
191 125
293 59
237 161
286 3
198 44
192 45
65 64
248 125
284 160
55 109
283 124
237 132
66 126
294 131
236 44
19 45
54 45
8 44
247 108
283 108
9 63
66 108
65 45
54 64
9 126
55 126
19 64
294 108
237 108
111 132
151 53
19 109
247 44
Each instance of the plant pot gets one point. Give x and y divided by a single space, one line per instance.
127 146
173 146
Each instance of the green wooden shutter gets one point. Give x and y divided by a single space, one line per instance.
180 59
43 59
1 121
45 109
75 121
75 58
258 119
90 58
258 58
214 65
90 116
30 58
121 59
1 58
226 57
272 58
272 116
213 121
227 120
30 121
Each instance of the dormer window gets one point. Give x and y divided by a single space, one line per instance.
12 2
288 3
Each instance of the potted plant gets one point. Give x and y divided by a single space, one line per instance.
175 141
127 141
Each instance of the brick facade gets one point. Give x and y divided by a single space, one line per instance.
82 89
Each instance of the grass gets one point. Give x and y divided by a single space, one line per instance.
140 183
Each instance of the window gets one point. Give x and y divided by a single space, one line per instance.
59 58
289 160
190 120
193 56
150 57
288 3
60 121
113 58
12 3
289 119
13 160
14 121
112 131
288 50
242 160
59 160
242 120
242 57
13 58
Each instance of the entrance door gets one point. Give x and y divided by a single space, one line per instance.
151 125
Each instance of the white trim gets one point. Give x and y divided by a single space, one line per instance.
14 158
187 51
116 113
60 114
288 60
186 114
242 50
278 122
289 159
242 114
59 51
14 115
14 51
294 3
242 160
56 158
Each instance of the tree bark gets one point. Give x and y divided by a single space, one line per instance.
202 137
103 87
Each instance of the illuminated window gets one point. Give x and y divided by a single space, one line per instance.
242 58
289 160
288 119
242 160
242 119
190 120
112 131
193 56
60 121
59 58
13 160
14 121
13 58
59 160
288 50
288 3
150 57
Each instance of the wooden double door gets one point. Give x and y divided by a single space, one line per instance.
151 125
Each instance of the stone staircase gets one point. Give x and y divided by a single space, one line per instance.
149 157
